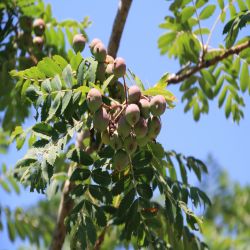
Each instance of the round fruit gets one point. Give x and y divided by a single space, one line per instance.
134 94
142 141
119 67
157 105
144 106
116 91
99 52
109 59
132 114
94 100
123 128
130 144
100 72
109 69
93 43
101 119
106 137
154 127
39 27
38 42
120 160
79 42
141 128
115 141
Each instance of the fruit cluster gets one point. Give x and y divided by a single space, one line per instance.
25 40
132 119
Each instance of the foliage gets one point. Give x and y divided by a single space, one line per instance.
187 27
226 223
55 82
17 50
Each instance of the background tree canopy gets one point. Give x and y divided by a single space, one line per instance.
103 183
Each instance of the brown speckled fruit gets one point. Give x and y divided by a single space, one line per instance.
94 100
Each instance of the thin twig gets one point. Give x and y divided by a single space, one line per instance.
207 63
202 41
216 22
125 90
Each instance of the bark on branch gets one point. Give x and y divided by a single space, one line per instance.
66 204
118 26
177 78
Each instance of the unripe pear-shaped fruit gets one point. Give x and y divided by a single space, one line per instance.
101 119
99 52
123 127
116 90
130 144
132 114
144 106
115 141
120 160
143 141
154 127
38 42
119 67
109 69
141 128
100 72
157 105
94 100
93 43
105 137
39 27
109 59
79 42
134 94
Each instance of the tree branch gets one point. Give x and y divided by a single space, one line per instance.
66 204
177 78
118 26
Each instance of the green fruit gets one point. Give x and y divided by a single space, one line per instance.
142 141
120 160
141 128
134 94
105 137
130 144
94 100
99 52
119 67
115 141
25 23
144 106
116 90
100 72
93 43
79 42
38 42
157 105
132 114
101 119
154 127
39 27
123 128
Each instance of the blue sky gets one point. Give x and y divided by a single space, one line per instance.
226 141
